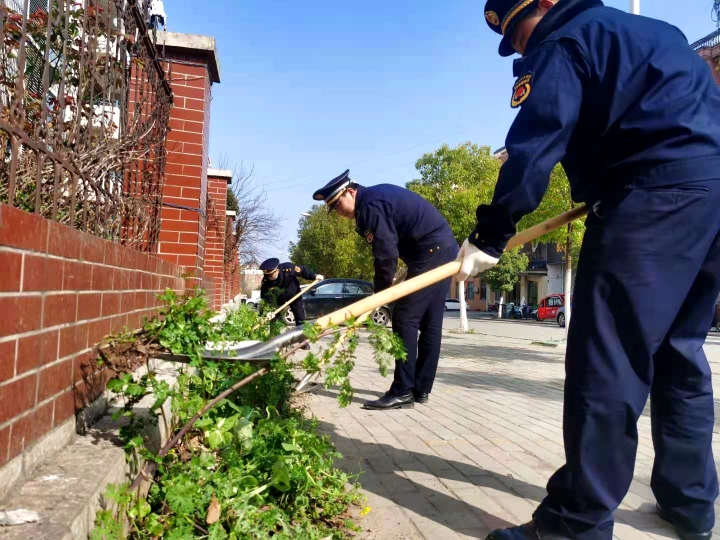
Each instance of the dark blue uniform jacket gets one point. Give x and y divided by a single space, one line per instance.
286 285
399 224
621 100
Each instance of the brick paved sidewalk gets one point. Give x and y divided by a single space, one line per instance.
479 455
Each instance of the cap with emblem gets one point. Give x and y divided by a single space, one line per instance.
503 15
269 265
331 192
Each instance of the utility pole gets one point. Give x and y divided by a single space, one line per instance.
635 7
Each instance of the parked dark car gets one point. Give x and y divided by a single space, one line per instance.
332 294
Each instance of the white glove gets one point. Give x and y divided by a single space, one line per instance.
270 315
474 261
319 277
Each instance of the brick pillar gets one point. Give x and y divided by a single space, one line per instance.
218 182
193 66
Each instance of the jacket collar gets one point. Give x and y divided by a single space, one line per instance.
559 15
360 200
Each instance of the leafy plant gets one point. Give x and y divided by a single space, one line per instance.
247 465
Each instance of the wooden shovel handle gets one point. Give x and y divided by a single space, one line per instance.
535 232
440 273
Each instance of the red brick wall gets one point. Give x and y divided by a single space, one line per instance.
215 238
182 234
61 292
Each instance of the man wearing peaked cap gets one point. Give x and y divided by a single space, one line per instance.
399 224
331 192
280 283
625 105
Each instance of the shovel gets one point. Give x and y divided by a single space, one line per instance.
313 374
286 304
264 351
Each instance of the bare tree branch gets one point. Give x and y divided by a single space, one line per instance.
256 224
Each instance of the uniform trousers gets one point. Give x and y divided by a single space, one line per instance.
298 310
648 276
417 319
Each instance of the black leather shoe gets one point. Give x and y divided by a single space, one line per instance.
421 397
529 531
391 401
684 534
306 347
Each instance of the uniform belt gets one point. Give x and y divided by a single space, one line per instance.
667 174
676 173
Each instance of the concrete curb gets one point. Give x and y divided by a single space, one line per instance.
67 489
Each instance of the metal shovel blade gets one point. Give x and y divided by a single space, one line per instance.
255 352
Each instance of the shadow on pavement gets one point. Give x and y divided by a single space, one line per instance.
380 467
499 353
645 519
548 389
365 395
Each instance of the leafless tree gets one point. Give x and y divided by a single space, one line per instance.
256 224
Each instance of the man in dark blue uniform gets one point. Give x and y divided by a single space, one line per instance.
632 114
398 223
280 283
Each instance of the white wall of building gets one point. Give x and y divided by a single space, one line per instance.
555 280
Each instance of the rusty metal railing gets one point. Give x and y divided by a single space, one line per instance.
84 115
711 40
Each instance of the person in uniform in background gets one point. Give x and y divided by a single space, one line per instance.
632 113
398 223
280 283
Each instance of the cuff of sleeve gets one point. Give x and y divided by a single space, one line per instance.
495 227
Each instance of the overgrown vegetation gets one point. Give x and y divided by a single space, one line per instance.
251 466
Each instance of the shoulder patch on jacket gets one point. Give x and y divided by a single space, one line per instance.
369 236
521 90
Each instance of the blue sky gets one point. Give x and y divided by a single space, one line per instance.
311 88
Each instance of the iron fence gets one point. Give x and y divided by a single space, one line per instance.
84 115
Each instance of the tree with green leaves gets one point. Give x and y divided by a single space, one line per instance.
456 181
557 200
506 273
329 245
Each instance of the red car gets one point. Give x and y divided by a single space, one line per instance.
549 306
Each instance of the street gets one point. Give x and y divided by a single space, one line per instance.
486 323
479 455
